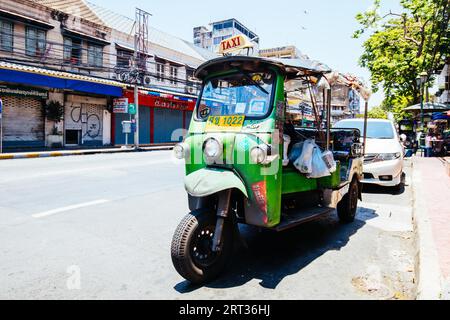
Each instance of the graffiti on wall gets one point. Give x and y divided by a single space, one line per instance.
87 118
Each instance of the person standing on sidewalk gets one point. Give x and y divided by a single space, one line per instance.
429 144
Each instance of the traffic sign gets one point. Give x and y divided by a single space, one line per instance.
132 108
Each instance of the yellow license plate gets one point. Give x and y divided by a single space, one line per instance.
224 123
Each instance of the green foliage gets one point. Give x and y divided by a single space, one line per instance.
53 111
402 45
377 113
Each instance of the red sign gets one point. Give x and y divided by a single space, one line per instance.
171 104
167 102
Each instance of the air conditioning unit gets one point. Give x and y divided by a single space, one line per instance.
122 76
190 90
147 80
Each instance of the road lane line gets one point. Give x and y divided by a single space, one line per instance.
68 208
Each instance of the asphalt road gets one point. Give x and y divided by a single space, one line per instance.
100 227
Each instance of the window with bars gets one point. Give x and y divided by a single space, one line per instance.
72 51
36 42
124 58
173 74
95 55
6 35
160 72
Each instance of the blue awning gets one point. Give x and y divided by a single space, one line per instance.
36 79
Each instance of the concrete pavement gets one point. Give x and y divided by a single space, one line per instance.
432 217
100 227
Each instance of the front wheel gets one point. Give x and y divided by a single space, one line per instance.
192 254
349 204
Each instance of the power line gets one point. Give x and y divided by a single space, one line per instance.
60 50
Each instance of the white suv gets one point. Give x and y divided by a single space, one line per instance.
383 160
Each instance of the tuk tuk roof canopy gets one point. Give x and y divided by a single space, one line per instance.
294 68
429 107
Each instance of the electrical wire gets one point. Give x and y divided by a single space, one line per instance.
57 49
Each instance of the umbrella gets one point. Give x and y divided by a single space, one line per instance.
429 107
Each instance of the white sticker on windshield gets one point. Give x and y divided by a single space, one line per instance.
240 108
257 107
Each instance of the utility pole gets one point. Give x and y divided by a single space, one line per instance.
140 61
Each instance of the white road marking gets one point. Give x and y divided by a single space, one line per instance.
68 208
77 171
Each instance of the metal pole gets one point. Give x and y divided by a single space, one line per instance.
328 118
366 110
421 107
136 116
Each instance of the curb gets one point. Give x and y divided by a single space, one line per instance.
428 274
32 155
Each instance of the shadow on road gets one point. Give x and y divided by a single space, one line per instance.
272 256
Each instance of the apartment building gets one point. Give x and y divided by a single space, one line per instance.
210 39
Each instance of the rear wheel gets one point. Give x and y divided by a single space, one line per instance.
191 250
349 204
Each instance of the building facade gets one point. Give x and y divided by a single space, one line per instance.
443 94
50 58
79 56
286 52
210 39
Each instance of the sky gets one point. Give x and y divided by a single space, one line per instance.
322 29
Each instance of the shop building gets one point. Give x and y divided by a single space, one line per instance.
168 88
48 56
163 117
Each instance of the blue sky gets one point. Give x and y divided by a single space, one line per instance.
322 28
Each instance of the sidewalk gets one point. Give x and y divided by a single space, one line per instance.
77 152
431 186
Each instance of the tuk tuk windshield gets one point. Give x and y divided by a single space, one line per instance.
241 93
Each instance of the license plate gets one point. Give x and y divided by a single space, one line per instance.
224 123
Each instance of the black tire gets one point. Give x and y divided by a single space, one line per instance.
191 250
349 204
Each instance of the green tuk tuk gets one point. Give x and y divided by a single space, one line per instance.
237 160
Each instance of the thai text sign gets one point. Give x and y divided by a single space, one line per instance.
120 105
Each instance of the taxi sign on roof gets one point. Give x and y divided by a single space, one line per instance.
234 44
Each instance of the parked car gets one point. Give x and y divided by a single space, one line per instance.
383 159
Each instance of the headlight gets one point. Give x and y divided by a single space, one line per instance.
181 150
387 156
212 149
259 154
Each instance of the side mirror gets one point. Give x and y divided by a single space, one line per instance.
357 150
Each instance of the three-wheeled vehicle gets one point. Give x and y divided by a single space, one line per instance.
237 165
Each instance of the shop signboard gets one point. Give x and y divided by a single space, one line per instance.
23 92
120 105
170 104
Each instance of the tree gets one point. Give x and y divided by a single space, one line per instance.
403 45
53 111
375 113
